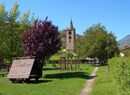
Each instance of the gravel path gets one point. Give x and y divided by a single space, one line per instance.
89 83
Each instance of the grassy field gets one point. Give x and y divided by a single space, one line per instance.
58 55
104 83
53 82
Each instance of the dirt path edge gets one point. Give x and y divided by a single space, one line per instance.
90 80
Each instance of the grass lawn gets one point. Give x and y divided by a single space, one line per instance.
53 82
104 83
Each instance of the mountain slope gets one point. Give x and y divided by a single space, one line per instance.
125 41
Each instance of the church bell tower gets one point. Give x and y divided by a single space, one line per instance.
70 37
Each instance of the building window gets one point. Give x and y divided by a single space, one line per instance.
69 41
69 37
69 32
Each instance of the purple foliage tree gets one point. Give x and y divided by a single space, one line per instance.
41 40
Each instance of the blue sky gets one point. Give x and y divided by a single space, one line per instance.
113 14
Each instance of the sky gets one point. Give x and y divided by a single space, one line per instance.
113 14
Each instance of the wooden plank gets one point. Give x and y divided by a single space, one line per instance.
21 68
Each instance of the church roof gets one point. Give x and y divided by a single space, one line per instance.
71 24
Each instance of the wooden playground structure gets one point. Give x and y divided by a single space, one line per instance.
69 63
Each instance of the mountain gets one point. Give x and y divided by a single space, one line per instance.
125 41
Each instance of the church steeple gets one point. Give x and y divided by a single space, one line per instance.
71 24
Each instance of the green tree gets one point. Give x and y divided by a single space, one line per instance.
24 24
12 27
63 38
12 30
80 48
3 15
25 21
96 43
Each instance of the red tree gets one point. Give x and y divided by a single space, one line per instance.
41 40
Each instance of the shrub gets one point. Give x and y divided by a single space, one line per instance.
121 72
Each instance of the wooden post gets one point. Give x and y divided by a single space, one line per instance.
77 66
62 63
67 63
71 63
